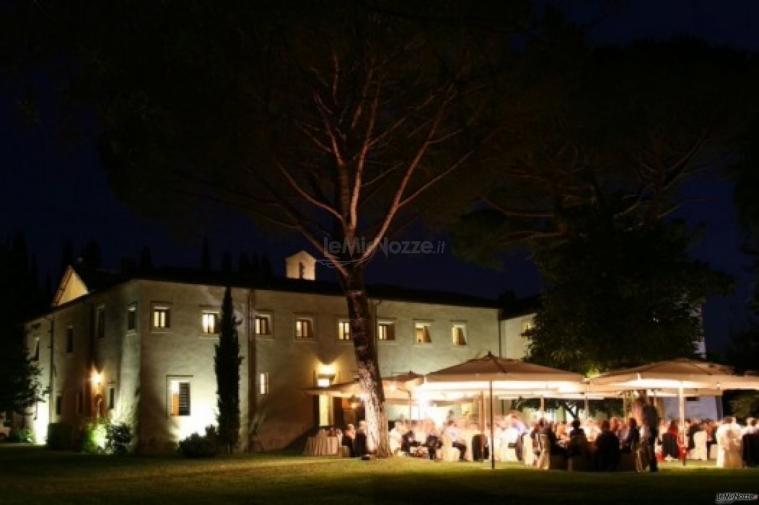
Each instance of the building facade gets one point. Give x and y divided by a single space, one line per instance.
139 349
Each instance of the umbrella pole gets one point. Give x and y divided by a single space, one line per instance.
410 407
587 406
681 408
492 437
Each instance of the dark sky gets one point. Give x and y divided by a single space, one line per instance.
54 193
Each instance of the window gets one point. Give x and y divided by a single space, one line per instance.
344 330
58 404
161 319
263 324
527 326
304 328
458 333
100 322
111 398
179 398
132 317
422 333
36 353
209 323
386 330
263 383
70 339
79 403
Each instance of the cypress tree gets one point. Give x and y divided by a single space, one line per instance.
227 365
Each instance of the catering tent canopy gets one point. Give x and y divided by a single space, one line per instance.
675 374
500 375
503 375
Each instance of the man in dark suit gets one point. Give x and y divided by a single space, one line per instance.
651 423
359 444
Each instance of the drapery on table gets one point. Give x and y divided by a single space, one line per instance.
322 446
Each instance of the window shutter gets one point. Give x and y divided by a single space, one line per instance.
184 398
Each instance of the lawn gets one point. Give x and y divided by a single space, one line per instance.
33 475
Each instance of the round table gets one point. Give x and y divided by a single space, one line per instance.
322 446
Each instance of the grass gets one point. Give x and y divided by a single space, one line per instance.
30 475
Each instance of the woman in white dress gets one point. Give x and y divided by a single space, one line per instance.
729 445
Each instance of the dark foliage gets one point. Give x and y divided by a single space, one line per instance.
200 446
227 366
620 297
60 436
118 439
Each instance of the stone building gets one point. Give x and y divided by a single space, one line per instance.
139 348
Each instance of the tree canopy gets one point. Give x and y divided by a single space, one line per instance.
620 297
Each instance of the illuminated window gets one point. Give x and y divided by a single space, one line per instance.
161 317
304 328
458 333
263 383
386 330
263 324
527 326
36 353
422 333
100 322
132 317
70 339
209 323
344 330
111 398
179 399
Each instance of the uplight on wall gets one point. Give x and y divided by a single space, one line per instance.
322 382
96 378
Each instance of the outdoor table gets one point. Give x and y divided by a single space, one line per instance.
322 446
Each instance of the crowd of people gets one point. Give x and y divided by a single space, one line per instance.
589 444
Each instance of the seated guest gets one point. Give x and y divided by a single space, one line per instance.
360 442
591 429
433 443
607 449
396 437
409 441
454 434
578 442
561 433
615 426
631 437
552 440
669 445
576 430
348 438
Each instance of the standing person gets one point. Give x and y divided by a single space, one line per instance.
360 447
651 423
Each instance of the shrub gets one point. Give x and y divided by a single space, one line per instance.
118 438
200 446
21 436
94 437
60 436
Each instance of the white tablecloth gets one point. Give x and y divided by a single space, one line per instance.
322 446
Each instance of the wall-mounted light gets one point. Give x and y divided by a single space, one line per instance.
96 378
324 380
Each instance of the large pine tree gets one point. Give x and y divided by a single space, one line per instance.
227 364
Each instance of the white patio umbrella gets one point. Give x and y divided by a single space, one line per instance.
684 376
503 375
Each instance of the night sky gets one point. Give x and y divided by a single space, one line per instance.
54 192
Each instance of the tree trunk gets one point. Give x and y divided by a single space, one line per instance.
362 334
